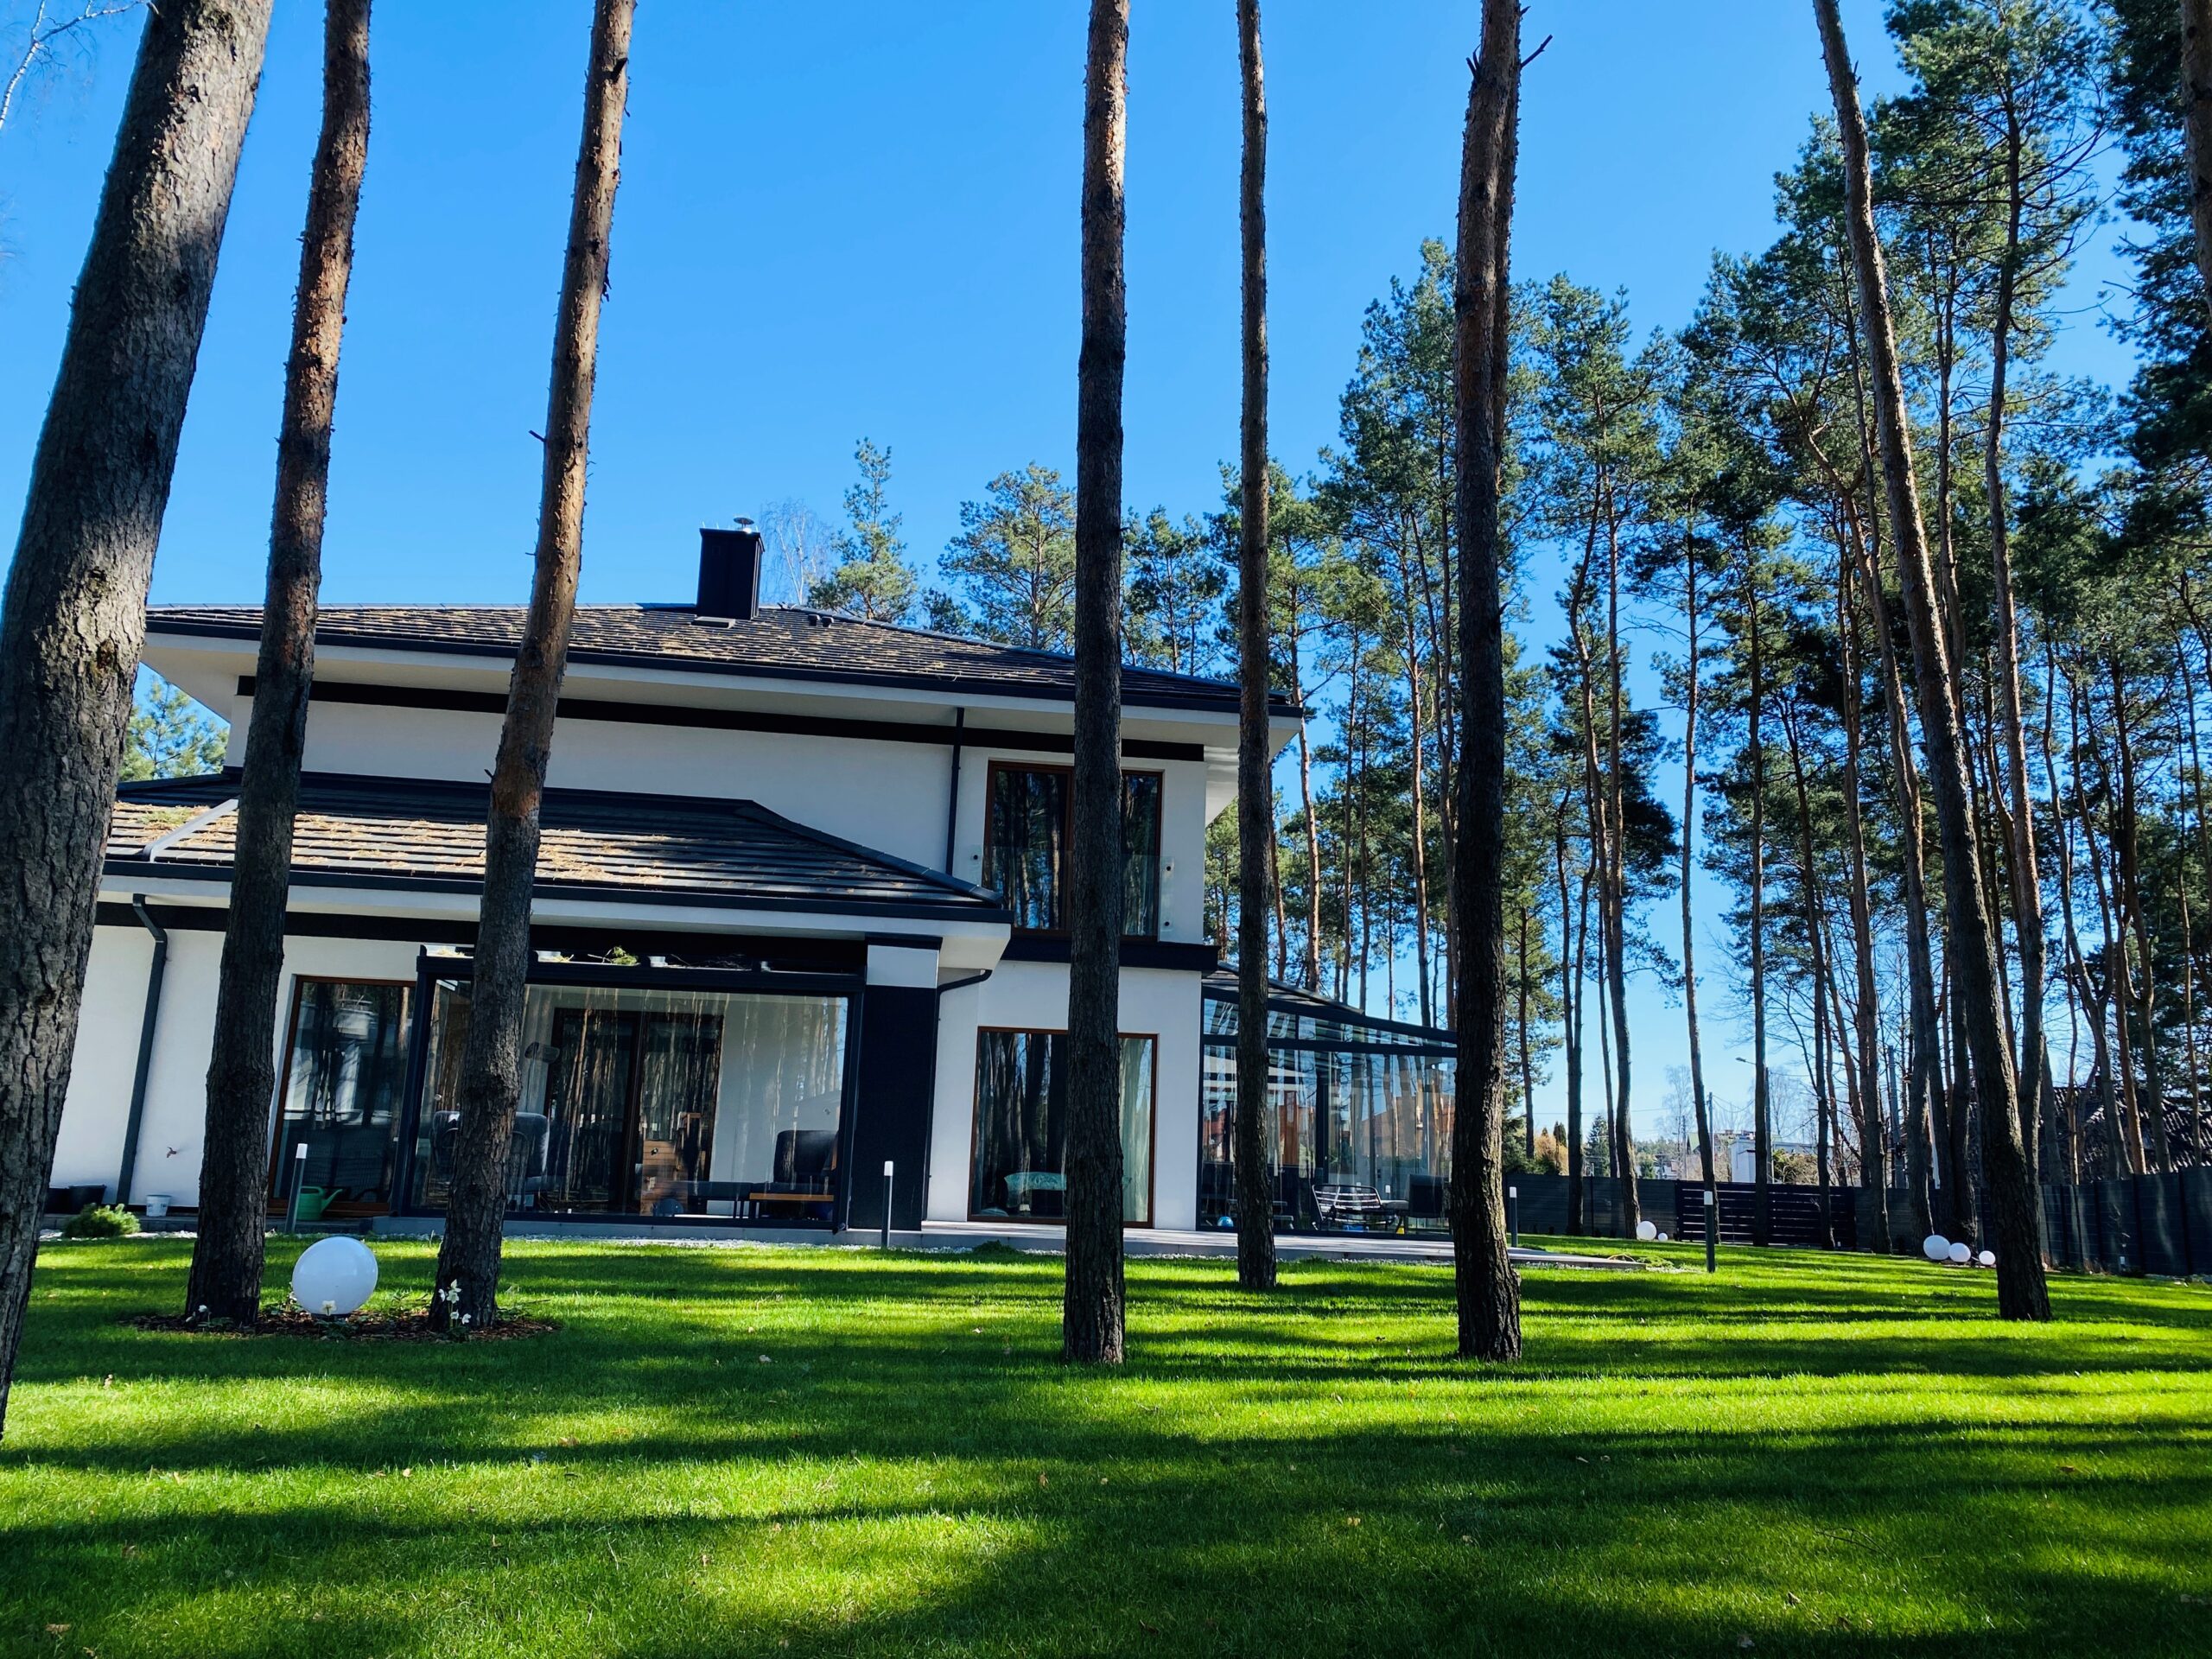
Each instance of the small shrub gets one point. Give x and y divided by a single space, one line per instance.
100 1221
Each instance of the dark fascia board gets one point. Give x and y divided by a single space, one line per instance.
126 870
362 693
819 955
1136 953
642 976
974 685
1341 1014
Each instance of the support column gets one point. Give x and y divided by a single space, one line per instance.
895 1092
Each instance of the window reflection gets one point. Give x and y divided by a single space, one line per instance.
1026 835
666 1103
1019 1167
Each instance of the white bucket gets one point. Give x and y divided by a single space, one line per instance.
157 1206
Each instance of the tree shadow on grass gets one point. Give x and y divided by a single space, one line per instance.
1265 1477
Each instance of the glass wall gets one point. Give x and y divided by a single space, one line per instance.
1360 1112
344 1079
658 1102
1019 1169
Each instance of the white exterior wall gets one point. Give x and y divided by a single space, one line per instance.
1033 996
169 1137
890 797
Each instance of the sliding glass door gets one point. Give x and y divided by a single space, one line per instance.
667 1103
345 1075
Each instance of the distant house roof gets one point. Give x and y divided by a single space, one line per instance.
779 642
399 833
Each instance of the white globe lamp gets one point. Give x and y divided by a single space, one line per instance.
1987 1258
1662 1238
335 1276
1962 1254
1936 1248
1647 1230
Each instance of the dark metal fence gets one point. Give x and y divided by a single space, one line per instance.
2132 1224
1677 1208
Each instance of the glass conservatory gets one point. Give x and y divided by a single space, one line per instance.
1360 1111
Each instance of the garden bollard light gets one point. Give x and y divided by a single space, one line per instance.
1712 1230
887 1167
1513 1215
299 1176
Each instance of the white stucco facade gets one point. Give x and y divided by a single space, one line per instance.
884 768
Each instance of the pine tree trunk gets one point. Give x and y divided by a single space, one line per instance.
490 1083
75 614
1256 1234
1689 842
1921 1079
1489 1289
1762 1082
1617 906
1091 1314
2196 121
2027 881
1570 1003
2022 1293
1874 1148
226 1256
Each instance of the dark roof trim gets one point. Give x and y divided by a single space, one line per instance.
1222 701
1290 999
359 694
1136 953
591 891
810 953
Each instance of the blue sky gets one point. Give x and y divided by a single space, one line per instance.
840 219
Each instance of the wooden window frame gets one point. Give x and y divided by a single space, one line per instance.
1067 833
1152 1127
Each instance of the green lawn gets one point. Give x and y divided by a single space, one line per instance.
735 1451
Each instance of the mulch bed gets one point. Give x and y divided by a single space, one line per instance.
411 1324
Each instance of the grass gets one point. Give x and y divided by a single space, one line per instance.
738 1452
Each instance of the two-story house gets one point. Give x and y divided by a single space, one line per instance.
799 919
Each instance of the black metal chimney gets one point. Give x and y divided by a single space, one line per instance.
729 573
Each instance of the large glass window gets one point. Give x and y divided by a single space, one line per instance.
343 1080
1025 839
1021 1138
657 1103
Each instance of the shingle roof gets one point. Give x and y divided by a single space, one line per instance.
779 641
387 832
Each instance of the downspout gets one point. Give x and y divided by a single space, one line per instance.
152 1018
952 794
963 984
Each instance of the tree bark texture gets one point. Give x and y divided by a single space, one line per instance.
226 1257
2197 95
490 1082
2021 1292
75 614
1489 1288
1091 1311
1256 1234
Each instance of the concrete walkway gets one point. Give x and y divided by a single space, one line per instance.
1040 1239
